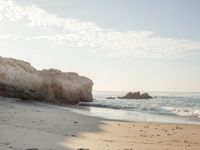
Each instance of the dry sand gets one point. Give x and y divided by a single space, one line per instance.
29 125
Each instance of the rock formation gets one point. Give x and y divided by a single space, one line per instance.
19 79
135 95
110 97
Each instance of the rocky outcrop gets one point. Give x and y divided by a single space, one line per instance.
110 97
19 79
136 95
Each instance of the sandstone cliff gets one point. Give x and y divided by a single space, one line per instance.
19 79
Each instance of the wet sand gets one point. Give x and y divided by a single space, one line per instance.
31 125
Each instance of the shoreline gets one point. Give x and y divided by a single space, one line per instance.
44 126
130 116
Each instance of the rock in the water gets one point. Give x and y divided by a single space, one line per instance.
136 95
110 97
19 79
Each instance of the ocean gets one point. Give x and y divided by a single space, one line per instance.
165 107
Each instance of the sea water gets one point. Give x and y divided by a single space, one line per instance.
163 107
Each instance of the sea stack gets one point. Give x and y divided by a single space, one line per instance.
19 79
136 95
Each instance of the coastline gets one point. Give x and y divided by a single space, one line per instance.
43 126
131 116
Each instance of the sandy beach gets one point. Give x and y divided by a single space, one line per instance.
99 75
32 125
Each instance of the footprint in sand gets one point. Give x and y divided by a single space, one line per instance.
158 135
108 140
179 128
6 143
186 141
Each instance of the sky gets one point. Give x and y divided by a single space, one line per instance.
145 45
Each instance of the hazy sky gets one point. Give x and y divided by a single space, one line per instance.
149 45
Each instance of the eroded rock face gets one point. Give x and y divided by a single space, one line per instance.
19 79
136 95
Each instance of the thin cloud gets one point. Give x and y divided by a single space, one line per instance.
8 37
89 35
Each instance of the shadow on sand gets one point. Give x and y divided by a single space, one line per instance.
33 125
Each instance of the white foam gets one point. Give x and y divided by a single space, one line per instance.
183 111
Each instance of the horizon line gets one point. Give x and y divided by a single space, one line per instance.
146 91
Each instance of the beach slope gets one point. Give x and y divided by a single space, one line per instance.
25 125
